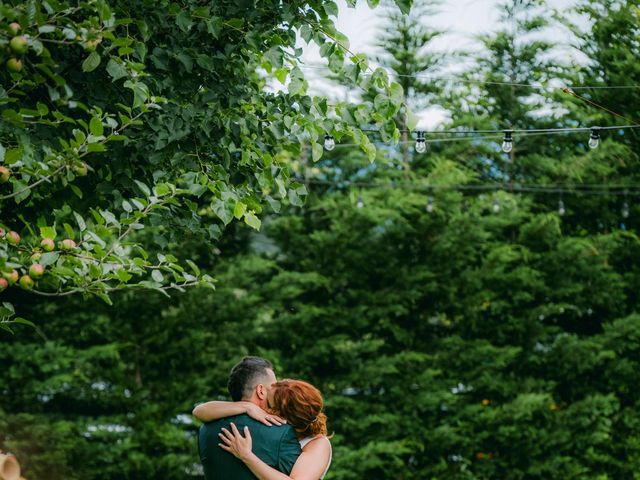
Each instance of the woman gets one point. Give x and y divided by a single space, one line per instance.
294 401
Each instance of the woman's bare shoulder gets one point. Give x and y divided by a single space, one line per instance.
320 443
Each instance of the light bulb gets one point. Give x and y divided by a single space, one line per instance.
359 203
421 144
625 210
561 209
507 142
429 207
329 143
496 206
594 138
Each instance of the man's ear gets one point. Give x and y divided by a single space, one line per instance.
261 391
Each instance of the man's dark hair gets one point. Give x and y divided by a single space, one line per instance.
244 374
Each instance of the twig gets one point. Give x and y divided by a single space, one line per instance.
35 184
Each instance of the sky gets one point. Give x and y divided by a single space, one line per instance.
461 19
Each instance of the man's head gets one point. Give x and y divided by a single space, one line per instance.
250 380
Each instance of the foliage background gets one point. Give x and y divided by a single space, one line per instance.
459 343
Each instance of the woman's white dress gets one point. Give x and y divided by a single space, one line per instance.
306 440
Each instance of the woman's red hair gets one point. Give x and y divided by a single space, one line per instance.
300 403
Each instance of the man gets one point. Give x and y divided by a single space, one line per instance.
250 380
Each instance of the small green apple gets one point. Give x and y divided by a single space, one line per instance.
26 282
47 244
36 270
13 238
14 28
11 277
67 244
81 169
4 174
19 45
14 65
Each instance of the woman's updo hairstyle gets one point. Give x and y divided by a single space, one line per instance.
300 403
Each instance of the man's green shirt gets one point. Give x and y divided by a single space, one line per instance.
276 446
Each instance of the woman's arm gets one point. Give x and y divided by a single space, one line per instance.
214 410
310 465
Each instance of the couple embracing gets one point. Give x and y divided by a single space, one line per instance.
271 430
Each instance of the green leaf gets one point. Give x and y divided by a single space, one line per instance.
49 258
281 75
143 187
316 151
275 204
106 17
396 94
222 210
157 276
194 267
96 147
206 62
80 221
294 198
95 127
115 70
183 20
104 297
21 187
369 148
214 26
297 85
48 232
306 33
77 192
91 62
251 220
140 92
68 230
404 5
236 23
239 210
123 275
330 8
162 189
23 321
412 120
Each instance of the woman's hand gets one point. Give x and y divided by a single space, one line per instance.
235 443
255 412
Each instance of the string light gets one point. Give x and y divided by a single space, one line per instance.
421 144
625 210
359 203
429 207
525 131
507 142
329 142
561 209
594 139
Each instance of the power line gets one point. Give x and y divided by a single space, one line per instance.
488 82
578 189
